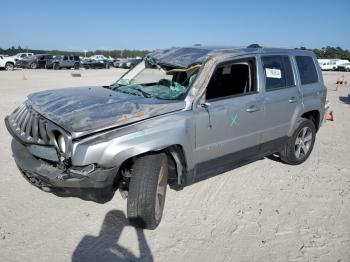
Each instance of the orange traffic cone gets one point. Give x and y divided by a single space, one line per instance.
341 81
329 116
23 76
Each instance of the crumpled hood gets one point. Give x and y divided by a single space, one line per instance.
84 109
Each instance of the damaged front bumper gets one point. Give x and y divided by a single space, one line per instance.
97 186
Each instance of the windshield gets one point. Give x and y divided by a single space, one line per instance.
152 81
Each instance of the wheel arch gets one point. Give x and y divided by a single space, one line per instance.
177 164
11 63
314 116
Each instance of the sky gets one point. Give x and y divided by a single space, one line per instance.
134 24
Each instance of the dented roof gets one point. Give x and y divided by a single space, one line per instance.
183 57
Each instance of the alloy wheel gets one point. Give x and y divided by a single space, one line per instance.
303 143
161 191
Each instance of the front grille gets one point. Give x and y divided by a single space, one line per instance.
29 126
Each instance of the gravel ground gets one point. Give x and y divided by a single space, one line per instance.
265 211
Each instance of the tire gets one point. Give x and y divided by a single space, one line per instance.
108 66
76 66
33 65
300 145
56 66
147 191
9 66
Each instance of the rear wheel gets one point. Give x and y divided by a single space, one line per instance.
34 65
56 66
147 190
9 66
76 66
300 145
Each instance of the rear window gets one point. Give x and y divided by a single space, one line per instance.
307 70
278 72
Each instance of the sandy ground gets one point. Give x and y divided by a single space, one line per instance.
265 211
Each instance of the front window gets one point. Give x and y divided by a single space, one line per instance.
233 78
153 81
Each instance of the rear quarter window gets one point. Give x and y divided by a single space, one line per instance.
307 70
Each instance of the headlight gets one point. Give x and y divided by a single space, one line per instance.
61 144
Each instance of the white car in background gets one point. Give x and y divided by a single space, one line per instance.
20 56
326 66
98 57
7 62
340 63
331 64
344 67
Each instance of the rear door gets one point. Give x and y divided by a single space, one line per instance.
65 61
71 61
42 61
281 99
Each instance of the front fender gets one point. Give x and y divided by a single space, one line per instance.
112 148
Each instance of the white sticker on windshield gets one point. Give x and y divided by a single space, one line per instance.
273 73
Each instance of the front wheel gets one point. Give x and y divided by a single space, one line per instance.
147 190
9 66
300 145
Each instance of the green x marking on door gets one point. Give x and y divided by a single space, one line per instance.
234 119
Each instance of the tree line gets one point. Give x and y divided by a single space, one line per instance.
113 53
332 52
329 52
324 52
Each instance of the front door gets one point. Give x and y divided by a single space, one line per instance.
228 125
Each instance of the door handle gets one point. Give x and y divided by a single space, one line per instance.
292 99
252 108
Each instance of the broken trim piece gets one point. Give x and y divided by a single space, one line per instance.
189 69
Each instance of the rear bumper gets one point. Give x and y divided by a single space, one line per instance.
97 186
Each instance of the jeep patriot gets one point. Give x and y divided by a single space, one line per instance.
179 116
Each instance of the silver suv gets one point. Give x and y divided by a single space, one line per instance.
180 116
64 61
